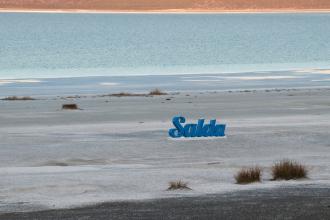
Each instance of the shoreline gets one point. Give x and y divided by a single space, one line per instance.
144 94
163 11
293 70
313 79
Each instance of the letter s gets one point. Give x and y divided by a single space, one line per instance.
178 131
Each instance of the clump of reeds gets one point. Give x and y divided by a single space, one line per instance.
157 92
248 175
154 92
288 170
176 185
122 94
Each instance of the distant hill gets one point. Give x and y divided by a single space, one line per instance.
165 4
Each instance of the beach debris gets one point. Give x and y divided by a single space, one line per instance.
75 97
70 107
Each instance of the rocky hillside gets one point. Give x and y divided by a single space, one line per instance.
165 4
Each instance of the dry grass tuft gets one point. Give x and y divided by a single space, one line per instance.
157 92
288 170
127 94
175 185
70 107
248 175
123 94
16 98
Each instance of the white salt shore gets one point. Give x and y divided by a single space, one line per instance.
118 148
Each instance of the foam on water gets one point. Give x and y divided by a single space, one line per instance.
170 83
18 81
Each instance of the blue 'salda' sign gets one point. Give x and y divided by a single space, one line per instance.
196 130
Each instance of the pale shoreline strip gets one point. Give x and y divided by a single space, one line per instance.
164 11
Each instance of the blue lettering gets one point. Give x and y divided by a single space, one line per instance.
178 131
200 127
196 130
190 130
220 130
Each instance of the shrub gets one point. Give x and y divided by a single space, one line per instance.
288 170
70 107
157 92
127 94
122 94
248 175
175 185
16 98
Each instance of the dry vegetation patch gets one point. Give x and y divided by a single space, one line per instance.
157 92
154 92
176 185
127 94
288 170
248 175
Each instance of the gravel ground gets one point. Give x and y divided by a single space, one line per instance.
282 203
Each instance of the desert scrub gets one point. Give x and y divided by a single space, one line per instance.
154 92
288 170
157 92
248 175
126 94
175 185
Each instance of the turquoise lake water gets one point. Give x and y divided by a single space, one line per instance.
66 45
103 53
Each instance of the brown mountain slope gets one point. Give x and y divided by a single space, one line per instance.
165 4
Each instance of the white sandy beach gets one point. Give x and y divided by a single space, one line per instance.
118 148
